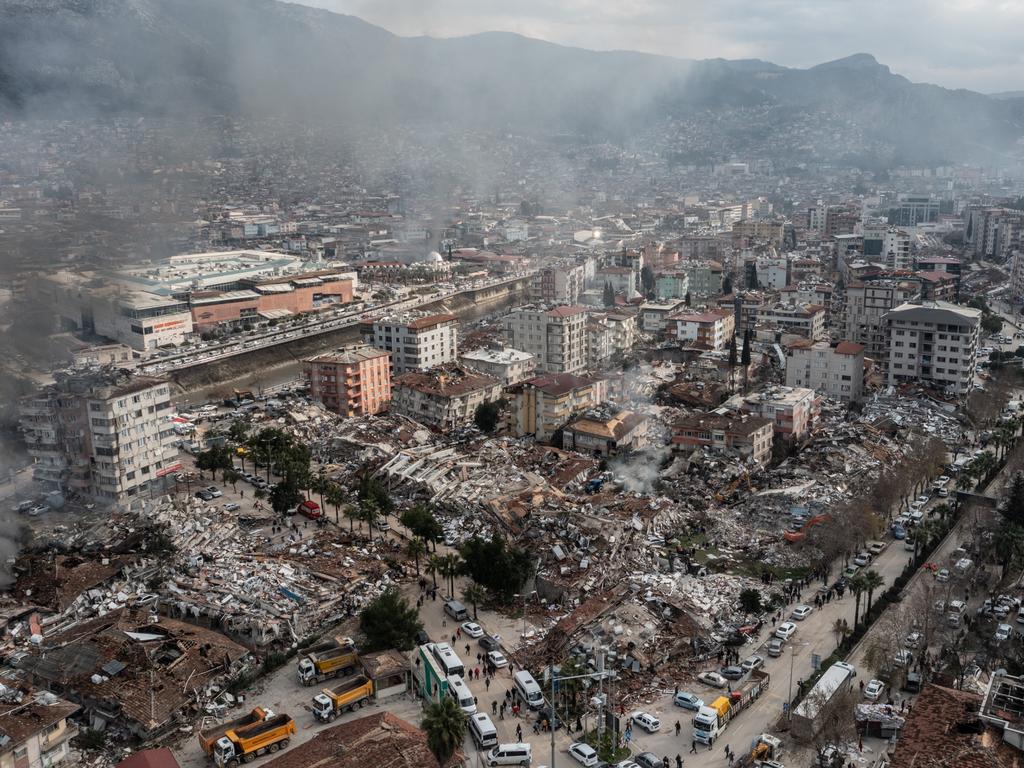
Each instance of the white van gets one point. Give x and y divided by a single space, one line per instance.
459 691
510 754
483 731
448 659
528 690
456 610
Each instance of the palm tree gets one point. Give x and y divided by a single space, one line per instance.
335 496
444 722
872 581
319 485
452 564
474 594
435 565
352 513
415 549
857 586
368 514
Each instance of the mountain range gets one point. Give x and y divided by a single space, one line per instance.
172 57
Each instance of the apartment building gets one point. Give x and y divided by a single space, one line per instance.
416 344
35 727
101 434
738 434
555 337
866 303
807 320
507 365
835 371
544 404
558 284
671 285
709 330
704 278
355 381
933 342
793 410
888 245
599 434
445 397
654 315
621 279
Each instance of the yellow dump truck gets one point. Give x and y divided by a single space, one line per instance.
208 737
333 658
350 693
244 746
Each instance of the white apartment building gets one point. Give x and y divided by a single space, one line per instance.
807 320
103 435
834 371
866 303
710 330
559 284
143 321
446 397
933 341
555 337
509 366
416 344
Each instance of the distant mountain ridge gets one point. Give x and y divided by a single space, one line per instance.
66 57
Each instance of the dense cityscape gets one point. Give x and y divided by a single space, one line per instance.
454 446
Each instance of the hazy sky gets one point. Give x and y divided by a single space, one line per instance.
956 43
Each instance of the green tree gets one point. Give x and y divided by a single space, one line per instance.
474 594
501 568
416 549
486 416
353 513
647 280
238 432
452 567
745 357
421 520
285 496
872 581
389 622
435 566
608 297
727 285
214 458
370 488
1012 507
231 477
368 512
991 323
335 496
857 586
444 722
750 600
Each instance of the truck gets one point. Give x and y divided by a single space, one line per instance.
764 749
711 720
351 693
244 746
208 737
806 717
334 657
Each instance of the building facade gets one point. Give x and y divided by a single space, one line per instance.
445 397
544 404
555 337
807 320
351 382
416 344
37 730
104 435
749 437
709 330
792 410
606 436
933 342
835 371
507 365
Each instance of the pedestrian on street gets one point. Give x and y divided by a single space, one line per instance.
519 732
678 728
679 761
494 707
487 684
467 649
693 747
444 622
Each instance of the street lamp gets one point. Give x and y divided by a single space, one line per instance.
525 596
551 704
792 659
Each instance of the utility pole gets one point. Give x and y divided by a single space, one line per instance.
551 710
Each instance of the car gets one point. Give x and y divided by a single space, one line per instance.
923 499
752 662
876 547
473 630
873 690
497 658
544 714
232 506
899 532
909 545
902 657
688 700
801 612
584 754
916 515
732 672
913 640
214 491
942 576
488 643
421 637
862 559
713 679
648 760
1003 632
775 646
850 571
36 509
204 495
647 721
23 506
785 630
382 524
626 764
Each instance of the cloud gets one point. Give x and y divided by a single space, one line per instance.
969 44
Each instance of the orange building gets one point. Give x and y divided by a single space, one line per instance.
355 381
268 298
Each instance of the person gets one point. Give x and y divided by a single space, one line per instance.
519 732
693 747
664 761
494 707
679 761
444 622
467 649
487 683
678 727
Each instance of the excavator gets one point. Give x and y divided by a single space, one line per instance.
727 491
793 536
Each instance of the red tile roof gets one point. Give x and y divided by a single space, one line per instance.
849 348
430 322
566 311
150 758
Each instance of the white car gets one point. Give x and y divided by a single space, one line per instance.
902 658
942 576
801 612
473 630
584 754
785 630
913 640
497 658
873 690
1003 632
713 679
647 721
752 662
863 558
